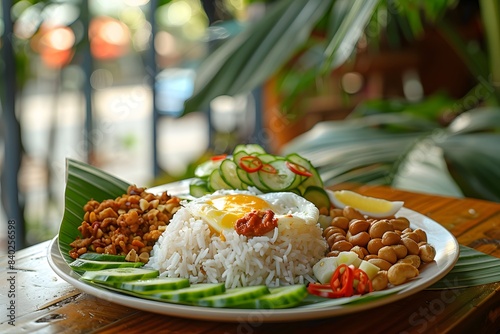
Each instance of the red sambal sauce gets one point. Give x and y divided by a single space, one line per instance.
256 223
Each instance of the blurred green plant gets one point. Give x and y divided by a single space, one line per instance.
439 145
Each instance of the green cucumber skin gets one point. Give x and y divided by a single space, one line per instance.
233 176
234 297
191 294
102 257
229 174
199 188
92 265
250 148
155 285
279 298
318 196
116 276
275 182
215 181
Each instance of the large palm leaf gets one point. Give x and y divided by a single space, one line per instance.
246 60
460 160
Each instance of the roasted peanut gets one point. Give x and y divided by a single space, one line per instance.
334 212
427 253
336 237
412 235
351 213
357 226
360 239
401 273
391 238
401 250
388 253
370 256
378 228
340 222
374 245
333 253
143 204
380 281
381 263
400 223
144 257
323 211
360 251
407 230
422 236
411 245
342 246
414 260
331 230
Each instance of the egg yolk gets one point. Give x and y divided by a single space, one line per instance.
230 208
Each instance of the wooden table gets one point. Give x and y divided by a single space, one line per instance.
47 304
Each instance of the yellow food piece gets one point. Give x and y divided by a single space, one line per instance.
370 206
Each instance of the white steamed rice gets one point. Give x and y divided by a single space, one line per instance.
188 249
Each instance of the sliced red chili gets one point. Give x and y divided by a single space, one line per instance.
364 282
322 290
342 283
342 280
250 163
298 169
218 157
267 168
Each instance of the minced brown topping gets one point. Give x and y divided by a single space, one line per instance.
131 223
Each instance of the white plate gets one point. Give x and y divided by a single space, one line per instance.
447 252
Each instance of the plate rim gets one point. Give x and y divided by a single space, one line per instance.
60 267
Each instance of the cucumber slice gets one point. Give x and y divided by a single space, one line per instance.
234 297
314 180
206 168
198 188
192 293
244 177
249 149
92 265
238 155
116 276
102 257
242 174
228 172
318 196
299 160
267 158
215 181
155 285
282 180
257 182
282 297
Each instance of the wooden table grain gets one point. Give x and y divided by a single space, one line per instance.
44 303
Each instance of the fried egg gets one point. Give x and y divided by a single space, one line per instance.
223 208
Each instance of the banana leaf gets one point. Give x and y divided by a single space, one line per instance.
472 268
83 183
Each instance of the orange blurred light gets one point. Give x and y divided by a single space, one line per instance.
109 38
55 45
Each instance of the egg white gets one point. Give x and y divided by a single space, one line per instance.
222 208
